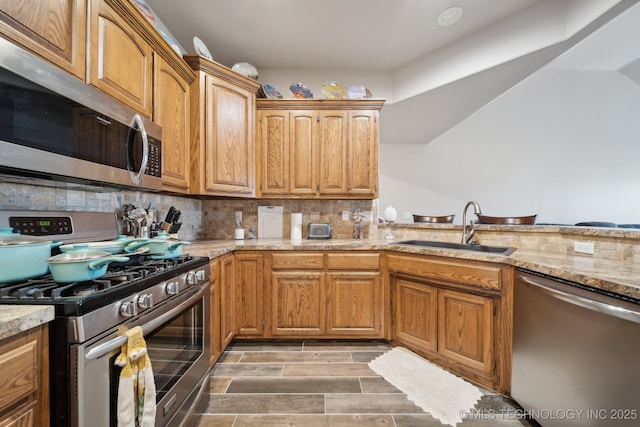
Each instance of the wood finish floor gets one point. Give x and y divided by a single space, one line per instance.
321 384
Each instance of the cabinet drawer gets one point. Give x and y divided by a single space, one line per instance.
297 261
470 273
18 373
353 261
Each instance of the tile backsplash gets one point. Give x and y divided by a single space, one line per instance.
202 219
36 194
218 216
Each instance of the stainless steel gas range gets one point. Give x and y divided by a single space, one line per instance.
167 298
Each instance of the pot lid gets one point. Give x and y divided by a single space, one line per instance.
9 238
78 255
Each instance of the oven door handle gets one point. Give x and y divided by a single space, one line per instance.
109 346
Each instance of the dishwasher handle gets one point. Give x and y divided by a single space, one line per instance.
620 309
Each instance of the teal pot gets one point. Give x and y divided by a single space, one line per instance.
23 257
160 247
81 265
115 246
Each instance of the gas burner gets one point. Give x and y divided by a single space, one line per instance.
78 298
84 290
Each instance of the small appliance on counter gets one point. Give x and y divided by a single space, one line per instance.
270 222
318 230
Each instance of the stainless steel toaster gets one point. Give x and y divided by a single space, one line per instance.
318 230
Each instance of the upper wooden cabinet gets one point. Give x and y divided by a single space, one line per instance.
121 62
52 29
223 153
318 148
171 110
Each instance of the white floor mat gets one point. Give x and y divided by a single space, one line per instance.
435 390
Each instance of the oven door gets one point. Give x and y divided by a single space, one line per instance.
177 338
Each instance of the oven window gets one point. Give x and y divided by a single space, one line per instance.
174 346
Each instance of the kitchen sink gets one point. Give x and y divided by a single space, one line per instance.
499 250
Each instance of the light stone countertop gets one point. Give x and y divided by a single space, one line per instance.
613 276
18 318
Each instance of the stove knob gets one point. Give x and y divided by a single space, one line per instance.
128 309
191 278
145 301
172 288
200 275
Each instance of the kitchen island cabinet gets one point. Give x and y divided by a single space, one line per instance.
456 313
323 149
223 154
55 30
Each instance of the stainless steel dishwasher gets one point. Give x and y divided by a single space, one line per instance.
576 354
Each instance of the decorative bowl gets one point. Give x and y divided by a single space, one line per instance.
300 91
246 70
508 220
332 90
434 219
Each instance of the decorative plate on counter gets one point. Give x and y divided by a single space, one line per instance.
201 48
300 91
271 92
359 92
332 90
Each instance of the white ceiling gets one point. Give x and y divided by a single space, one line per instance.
303 34
440 73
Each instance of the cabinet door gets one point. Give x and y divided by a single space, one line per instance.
215 332
297 303
227 298
355 304
24 378
303 158
249 294
465 329
274 150
362 153
414 314
171 111
121 60
229 141
332 146
52 29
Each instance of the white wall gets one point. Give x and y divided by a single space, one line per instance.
561 144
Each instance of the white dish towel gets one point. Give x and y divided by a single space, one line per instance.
136 388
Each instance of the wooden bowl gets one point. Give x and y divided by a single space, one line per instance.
507 220
433 219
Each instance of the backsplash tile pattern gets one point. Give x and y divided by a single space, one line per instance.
218 216
35 194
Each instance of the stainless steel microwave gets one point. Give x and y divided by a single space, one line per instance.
54 126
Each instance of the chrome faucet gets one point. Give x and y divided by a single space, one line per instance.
467 229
